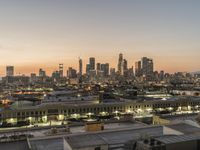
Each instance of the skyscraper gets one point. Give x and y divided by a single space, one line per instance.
99 72
10 71
61 70
125 66
130 72
112 72
87 69
138 69
92 63
161 75
80 67
42 73
71 73
120 64
56 74
98 66
105 69
147 67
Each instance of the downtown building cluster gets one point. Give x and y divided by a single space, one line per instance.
143 71
98 72
134 96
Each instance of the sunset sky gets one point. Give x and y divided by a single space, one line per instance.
43 33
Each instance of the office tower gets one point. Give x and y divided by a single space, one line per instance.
156 75
33 77
71 73
120 64
138 69
99 72
125 67
92 63
42 73
10 71
80 67
87 69
112 72
161 75
92 74
61 70
56 74
105 69
130 72
147 67
98 66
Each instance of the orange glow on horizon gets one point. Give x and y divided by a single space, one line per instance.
28 69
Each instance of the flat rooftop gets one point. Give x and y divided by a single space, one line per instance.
48 144
184 128
177 138
42 132
19 145
83 140
112 137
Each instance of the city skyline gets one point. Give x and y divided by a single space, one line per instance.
99 74
56 66
57 33
92 64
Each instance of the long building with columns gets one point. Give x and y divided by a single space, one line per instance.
62 110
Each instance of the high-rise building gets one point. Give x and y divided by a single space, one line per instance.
120 64
56 74
61 70
98 66
71 73
80 67
87 69
130 72
33 77
147 67
92 74
105 69
10 71
112 72
161 75
138 69
125 67
92 63
99 72
42 73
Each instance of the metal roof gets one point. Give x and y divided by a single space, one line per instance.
112 137
177 139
